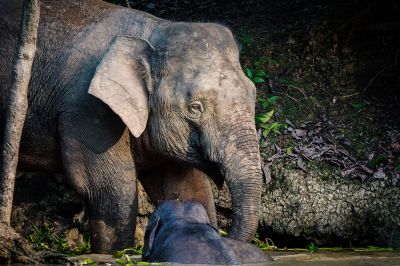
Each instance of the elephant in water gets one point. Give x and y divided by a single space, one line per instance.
118 95
181 232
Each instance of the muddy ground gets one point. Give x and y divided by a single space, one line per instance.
327 74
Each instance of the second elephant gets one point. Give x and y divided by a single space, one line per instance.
181 232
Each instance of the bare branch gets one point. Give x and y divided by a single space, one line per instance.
18 105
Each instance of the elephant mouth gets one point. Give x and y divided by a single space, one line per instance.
213 170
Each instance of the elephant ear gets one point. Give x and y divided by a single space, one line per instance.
123 81
150 235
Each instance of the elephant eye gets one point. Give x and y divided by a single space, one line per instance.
195 109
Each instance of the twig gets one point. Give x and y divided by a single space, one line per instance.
348 96
297 88
290 97
18 105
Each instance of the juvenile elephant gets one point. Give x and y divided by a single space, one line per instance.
181 233
118 94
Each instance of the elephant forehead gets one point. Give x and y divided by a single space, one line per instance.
194 40
186 84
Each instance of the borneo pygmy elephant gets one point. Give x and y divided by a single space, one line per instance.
181 232
118 94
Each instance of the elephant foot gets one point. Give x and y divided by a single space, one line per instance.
103 237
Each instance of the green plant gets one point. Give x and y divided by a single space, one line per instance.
358 106
372 249
246 40
267 244
123 256
87 261
268 102
256 76
375 162
273 127
125 260
43 238
264 120
223 233
83 247
312 247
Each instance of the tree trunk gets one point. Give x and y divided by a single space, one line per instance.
18 105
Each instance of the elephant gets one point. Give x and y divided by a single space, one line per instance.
118 96
181 232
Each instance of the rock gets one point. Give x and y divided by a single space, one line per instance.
327 210
331 210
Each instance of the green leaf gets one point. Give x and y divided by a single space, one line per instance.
261 74
87 261
273 99
358 106
222 232
248 72
247 40
312 247
118 254
265 102
376 161
264 118
120 261
258 80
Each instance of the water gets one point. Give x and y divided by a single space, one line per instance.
338 259
342 258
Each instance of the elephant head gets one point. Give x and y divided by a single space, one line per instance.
170 212
183 89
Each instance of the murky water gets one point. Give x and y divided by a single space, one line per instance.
301 259
338 259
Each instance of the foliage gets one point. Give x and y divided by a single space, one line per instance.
247 40
130 251
124 256
372 249
43 238
375 162
256 76
223 233
312 247
358 106
87 261
273 127
267 244
264 120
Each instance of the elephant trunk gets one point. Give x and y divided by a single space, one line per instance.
242 173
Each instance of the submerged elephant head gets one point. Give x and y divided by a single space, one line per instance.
185 90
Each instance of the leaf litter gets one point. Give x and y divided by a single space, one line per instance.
320 140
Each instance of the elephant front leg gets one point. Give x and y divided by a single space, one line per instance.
179 182
101 168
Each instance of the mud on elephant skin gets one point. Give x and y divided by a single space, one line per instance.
118 95
181 232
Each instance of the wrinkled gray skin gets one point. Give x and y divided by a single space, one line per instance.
181 233
117 94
